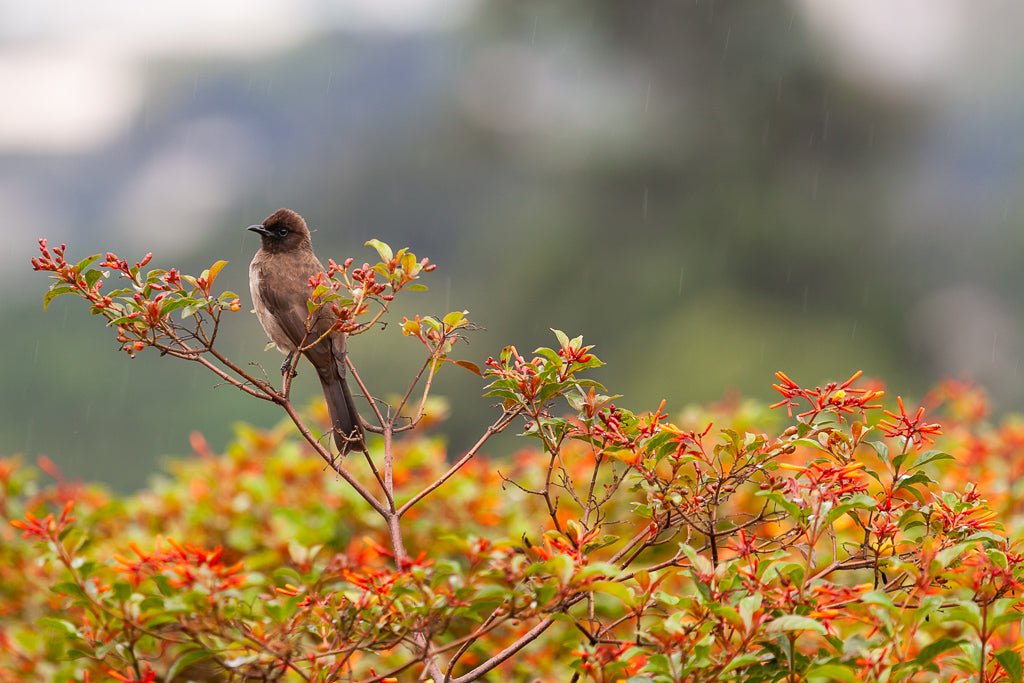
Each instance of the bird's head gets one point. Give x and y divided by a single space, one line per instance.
282 230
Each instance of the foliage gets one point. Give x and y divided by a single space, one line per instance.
844 541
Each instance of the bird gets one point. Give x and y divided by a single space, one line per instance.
279 282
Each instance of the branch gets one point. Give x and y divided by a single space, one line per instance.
495 428
331 460
505 654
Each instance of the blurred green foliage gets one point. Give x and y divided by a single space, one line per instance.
691 185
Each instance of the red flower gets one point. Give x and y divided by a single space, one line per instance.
48 528
909 428
833 397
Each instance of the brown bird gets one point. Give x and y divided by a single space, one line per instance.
279 283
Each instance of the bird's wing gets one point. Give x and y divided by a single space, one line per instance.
284 289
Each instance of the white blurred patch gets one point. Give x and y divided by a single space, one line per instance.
71 71
894 44
63 101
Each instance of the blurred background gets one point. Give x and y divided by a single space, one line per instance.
707 191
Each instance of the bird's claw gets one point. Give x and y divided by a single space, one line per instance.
286 366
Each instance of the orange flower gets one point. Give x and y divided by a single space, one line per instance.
909 428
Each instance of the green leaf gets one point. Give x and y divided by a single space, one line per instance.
122 590
832 672
747 607
932 650
54 292
169 305
1010 661
60 625
184 661
383 250
966 612
881 448
91 276
931 456
699 563
741 661
614 589
857 502
795 622
69 588
86 262
455 318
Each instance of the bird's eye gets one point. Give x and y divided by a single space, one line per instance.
282 232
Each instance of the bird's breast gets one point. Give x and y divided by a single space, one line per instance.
263 314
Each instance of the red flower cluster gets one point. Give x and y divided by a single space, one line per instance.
964 513
70 274
186 566
49 528
832 481
524 375
147 675
910 428
837 398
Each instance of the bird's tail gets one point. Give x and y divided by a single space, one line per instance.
348 435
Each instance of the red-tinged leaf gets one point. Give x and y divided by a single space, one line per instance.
469 365
409 263
214 270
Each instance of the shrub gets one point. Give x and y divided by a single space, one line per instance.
831 537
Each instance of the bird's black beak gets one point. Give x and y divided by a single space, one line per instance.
260 229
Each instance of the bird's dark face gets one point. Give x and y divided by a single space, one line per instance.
282 230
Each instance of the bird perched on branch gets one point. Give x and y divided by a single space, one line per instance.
279 278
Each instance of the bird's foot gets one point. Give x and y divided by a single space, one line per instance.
286 366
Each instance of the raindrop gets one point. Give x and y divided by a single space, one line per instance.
646 195
807 291
853 332
447 293
330 80
35 354
647 98
681 271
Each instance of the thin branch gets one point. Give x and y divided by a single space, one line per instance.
505 654
331 460
498 426
367 395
